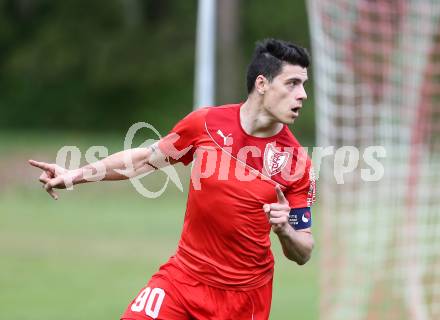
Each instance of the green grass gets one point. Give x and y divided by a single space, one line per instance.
87 255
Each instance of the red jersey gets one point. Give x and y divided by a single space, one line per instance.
225 239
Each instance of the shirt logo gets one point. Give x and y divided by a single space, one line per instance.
227 140
274 160
306 217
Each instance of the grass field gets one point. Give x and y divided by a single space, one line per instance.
86 255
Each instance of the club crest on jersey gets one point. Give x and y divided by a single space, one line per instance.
274 160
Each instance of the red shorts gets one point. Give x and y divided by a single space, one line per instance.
172 294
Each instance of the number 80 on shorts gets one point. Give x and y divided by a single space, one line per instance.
146 299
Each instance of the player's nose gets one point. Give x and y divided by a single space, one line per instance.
301 94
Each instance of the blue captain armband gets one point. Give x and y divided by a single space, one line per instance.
300 218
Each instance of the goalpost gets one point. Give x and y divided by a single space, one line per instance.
204 80
377 82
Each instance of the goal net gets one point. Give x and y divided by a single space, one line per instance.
377 83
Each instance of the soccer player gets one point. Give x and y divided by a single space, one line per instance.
250 176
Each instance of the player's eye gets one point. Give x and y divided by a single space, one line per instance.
292 84
296 82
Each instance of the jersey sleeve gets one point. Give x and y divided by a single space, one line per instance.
181 142
302 193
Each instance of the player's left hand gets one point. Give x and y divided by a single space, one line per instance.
278 212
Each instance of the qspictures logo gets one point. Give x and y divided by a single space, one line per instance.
345 160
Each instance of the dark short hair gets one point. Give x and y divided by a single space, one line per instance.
269 57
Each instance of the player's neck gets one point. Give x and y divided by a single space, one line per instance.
256 121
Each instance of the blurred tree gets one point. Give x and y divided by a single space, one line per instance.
230 84
105 64
132 12
25 8
96 65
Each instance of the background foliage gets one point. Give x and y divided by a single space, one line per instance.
103 65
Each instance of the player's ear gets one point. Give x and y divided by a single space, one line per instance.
261 84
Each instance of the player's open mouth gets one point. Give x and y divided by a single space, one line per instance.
296 111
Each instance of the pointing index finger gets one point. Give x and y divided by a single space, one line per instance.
280 195
41 165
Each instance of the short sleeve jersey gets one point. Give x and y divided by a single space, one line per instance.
225 240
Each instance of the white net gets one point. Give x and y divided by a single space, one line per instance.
377 80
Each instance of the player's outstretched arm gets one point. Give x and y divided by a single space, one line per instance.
297 244
119 166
